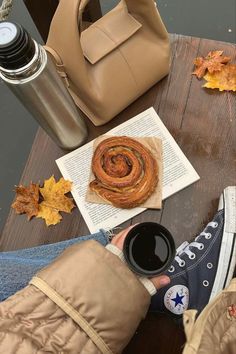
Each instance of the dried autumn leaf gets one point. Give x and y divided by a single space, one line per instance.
214 61
27 200
225 80
55 200
50 215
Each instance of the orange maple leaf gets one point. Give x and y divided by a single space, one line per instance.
224 80
214 61
27 200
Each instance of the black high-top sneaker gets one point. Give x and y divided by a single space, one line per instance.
202 268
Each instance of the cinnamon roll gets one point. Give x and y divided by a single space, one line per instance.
125 171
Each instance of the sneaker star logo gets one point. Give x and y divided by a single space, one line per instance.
176 299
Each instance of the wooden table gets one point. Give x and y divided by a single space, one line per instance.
204 125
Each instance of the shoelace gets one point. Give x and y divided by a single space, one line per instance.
185 247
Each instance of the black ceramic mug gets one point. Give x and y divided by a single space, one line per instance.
149 249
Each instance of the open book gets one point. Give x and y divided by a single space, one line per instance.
75 166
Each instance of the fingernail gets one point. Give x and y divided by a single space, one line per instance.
164 281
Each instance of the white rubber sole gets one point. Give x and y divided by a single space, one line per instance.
227 257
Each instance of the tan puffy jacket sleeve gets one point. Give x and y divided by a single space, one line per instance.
87 301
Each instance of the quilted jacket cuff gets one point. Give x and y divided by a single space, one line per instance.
145 281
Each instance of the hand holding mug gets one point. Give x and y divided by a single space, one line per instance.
119 241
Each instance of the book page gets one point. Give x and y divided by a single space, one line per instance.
178 173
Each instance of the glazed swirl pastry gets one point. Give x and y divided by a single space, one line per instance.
126 174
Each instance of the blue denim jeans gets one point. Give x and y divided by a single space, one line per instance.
18 267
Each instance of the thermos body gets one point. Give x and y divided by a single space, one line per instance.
41 90
46 97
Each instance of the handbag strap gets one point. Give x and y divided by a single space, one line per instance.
60 67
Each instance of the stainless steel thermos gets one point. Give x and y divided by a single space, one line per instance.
29 72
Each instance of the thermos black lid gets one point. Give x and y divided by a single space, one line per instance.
16 46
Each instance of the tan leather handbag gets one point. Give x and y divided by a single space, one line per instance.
115 60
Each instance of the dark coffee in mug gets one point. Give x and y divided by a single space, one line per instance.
149 249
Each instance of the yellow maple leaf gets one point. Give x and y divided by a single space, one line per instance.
50 215
224 80
55 200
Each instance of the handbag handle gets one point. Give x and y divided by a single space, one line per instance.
64 34
70 12
82 5
64 37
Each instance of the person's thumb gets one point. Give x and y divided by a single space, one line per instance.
161 281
